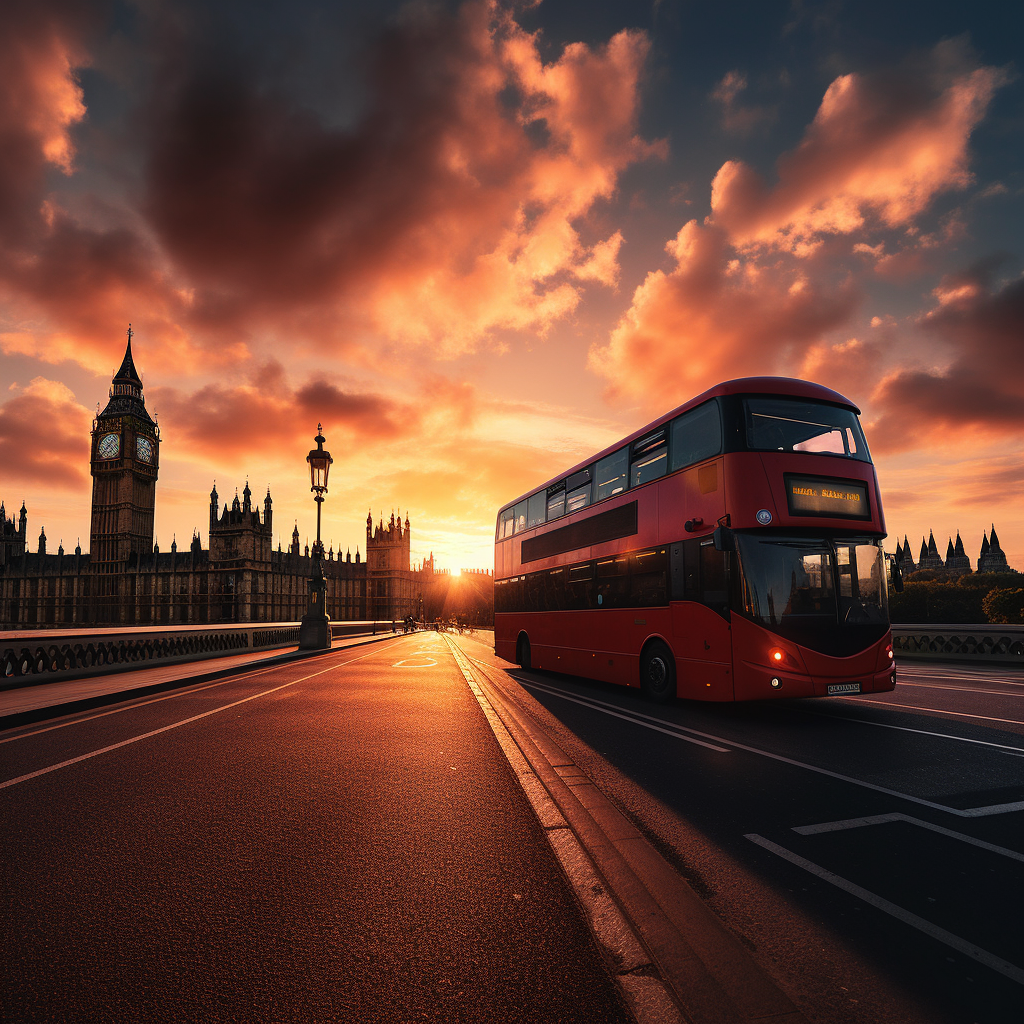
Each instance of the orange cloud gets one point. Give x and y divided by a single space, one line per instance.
220 422
44 436
880 147
714 317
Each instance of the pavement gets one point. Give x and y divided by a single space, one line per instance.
23 704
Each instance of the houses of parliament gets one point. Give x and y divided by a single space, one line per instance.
125 579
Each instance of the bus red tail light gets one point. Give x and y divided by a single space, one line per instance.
777 656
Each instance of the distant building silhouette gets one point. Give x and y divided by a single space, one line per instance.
126 580
992 558
957 562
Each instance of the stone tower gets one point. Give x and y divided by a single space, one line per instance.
125 460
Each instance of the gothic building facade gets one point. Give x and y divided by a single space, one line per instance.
125 579
956 562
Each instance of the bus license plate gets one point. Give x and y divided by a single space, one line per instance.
835 689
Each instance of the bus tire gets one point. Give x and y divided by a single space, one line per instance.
658 673
523 652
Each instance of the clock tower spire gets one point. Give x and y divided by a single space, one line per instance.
125 462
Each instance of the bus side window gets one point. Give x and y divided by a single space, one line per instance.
577 489
696 435
556 501
553 582
650 458
714 577
613 582
611 473
581 587
505 521
648 578
535 509
519 521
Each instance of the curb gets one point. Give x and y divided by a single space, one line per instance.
675 960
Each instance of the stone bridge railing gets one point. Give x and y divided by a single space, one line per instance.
28 657
1002 645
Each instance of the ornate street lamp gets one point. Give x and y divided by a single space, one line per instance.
315 631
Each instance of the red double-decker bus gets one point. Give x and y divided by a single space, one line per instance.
730 550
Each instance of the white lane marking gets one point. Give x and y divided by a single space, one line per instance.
970 812
173 725
634 717
959 689
938 711
981 677
881 819
968 949
906 728
409 663
183 691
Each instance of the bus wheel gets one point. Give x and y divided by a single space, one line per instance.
523 652
658 673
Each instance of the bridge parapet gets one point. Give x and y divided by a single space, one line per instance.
28 657
985 642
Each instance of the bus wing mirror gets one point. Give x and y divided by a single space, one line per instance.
723 539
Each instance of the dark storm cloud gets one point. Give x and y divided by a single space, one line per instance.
983 387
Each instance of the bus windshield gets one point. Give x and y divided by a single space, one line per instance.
798 425
808 589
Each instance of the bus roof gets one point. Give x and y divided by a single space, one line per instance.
787 386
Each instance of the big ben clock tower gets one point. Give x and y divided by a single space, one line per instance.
125 461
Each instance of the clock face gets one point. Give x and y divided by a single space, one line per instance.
144 449
109 446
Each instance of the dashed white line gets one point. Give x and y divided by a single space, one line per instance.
938 711
968 949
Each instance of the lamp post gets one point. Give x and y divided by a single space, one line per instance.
315 630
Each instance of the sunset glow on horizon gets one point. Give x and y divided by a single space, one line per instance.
480 241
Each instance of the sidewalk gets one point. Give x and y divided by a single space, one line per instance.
34 703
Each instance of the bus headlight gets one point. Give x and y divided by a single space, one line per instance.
775 683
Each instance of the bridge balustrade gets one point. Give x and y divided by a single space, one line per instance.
992 643
28 657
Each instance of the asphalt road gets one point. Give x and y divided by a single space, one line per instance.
868 849
339 838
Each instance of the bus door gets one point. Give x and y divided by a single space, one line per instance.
701 633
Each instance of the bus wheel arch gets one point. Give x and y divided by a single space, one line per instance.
658 671
523 651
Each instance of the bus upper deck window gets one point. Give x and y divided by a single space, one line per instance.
798 425
650 458
556 501
505 521
578 490
611 473
696 435
519 512
535 508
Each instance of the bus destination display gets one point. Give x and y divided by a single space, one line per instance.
818 496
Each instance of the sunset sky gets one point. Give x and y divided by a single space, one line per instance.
479 241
